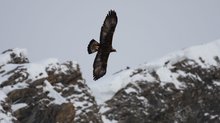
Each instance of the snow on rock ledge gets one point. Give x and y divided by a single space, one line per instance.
14 56
47 91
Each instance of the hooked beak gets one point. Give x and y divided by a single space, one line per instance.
113 50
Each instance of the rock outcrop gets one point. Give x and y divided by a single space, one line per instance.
45 92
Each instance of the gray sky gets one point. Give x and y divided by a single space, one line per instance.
146 30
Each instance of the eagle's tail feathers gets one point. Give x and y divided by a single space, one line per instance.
93 46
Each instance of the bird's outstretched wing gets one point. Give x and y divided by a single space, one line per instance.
108 28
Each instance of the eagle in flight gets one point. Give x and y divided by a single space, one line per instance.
104 48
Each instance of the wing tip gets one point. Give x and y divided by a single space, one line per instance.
112 12
99 73
112 17
96 77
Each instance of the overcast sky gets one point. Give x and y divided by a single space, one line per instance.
146 30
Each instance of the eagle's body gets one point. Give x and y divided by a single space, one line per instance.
104 48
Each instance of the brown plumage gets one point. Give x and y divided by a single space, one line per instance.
104 48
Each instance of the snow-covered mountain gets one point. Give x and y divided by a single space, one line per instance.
44 92
182 87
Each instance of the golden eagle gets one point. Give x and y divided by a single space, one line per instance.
104 48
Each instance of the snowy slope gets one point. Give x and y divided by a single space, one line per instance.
161 72
105 88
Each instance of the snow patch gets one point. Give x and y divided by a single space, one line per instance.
10 88
166 76
15 107
217 83
58 99
105 88
130 90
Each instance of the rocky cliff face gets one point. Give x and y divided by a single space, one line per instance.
45 92
183 87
